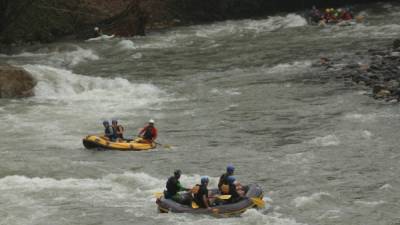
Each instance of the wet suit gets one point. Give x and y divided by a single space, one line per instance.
173 187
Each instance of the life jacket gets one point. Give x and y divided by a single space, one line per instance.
172 186
198 195
148 133
195 189
120 129
224 189
223 180
109 132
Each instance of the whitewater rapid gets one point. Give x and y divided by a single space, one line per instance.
247 92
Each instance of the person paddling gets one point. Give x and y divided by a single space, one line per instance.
149 132
174 186
118 130
223 184
200 193
108 131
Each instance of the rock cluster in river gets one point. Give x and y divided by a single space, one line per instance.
380 71
15 82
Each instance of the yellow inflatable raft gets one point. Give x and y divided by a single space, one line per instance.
99 142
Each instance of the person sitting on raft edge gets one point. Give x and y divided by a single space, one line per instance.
235 190
108 131
149 132
174 186
223 184
118 130
200 193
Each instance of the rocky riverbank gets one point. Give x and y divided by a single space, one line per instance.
46 20
376 69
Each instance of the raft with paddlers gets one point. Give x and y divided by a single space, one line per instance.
252 199
100 142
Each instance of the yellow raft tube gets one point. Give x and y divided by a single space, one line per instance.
100 142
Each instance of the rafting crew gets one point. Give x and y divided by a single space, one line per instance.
229 190
115 132
330 15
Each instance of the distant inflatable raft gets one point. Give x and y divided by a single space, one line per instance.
253 196
99 142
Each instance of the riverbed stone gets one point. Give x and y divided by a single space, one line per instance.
15 82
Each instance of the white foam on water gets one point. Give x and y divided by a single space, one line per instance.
368 117
250 216
369 203
126 45
290 67
61 58
386 187
101 38
366 134
77 56
331 214
307 200
62 84
329 140
243 27
364 31
137 55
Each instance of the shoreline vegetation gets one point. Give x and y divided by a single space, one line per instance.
43 21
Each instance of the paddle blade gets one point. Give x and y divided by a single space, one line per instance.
167 146
258 202
224 197
158 194
194 205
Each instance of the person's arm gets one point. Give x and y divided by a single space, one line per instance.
205 201
220 182
181 188
141 132
120 130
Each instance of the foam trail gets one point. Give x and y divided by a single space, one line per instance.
59 57
61 84
329 140
253 26
306 200
127 44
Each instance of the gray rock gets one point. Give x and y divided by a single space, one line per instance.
15 82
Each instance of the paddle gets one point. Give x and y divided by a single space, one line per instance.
158 194
258 202
165 146
222 197
194 205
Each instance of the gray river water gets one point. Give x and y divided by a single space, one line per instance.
243 92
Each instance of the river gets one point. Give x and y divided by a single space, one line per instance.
244 92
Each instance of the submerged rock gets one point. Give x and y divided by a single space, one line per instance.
15 82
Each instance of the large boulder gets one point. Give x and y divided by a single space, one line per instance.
15 82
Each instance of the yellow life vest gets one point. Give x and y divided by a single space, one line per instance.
225 189
195 189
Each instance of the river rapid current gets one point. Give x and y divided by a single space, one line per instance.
244 92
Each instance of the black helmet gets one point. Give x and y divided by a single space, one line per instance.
177 172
